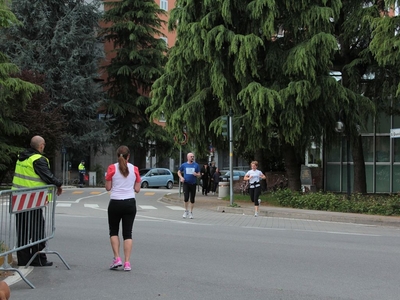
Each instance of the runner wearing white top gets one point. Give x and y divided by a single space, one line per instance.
254 176
123 180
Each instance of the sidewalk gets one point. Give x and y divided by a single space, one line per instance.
212 202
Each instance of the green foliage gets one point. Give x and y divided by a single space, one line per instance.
15 95
385 48
138 59
271 62
388 205
58 39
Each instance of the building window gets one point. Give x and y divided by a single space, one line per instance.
164 4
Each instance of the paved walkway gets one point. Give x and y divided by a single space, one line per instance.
213 203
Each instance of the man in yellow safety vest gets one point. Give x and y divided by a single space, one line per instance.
33 170
82 172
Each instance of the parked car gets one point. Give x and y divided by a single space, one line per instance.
158 177
225 175
142 172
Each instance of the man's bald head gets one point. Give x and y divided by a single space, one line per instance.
37 142
190 157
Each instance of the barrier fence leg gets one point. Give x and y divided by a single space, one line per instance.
20 274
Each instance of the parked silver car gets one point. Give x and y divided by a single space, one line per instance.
158 177
225 175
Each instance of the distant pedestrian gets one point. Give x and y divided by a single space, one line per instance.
188 174
123 180
212 171
205 178
254 176
82 173
215 180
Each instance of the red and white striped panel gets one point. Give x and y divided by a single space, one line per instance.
26 201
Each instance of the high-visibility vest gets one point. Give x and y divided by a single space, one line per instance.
81 168
25 175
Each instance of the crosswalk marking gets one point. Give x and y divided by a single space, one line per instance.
147 207
149 194
77 192
91 205
176 207
95 193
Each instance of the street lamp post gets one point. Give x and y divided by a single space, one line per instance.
230 157
348 166
340 129
184 130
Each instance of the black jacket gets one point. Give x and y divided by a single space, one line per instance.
41 167
205 173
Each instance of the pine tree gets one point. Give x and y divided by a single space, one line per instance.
58 39
268 61
362 73
15 94
138 57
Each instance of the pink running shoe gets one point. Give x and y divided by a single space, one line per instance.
116 263
127 266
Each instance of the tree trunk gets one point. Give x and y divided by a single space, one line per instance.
293 167
258 156
360 182
139 157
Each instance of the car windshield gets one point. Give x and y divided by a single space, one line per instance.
143 172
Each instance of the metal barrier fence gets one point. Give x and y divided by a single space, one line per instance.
26 220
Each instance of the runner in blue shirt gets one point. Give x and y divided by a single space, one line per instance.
188 173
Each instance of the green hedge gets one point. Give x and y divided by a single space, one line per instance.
387 205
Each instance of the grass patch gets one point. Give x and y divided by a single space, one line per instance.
267 199
372 204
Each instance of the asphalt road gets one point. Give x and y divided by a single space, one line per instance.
214 256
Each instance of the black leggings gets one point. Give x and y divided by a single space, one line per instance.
30 228
255 194
189 191
124 210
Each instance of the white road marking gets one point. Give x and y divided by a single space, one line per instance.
176 207
147 207
91 205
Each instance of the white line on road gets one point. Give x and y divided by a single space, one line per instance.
147 207
176 207
91 205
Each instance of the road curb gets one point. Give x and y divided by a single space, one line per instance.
291 213
316 216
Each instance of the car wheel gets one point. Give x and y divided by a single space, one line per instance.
170 184
145 184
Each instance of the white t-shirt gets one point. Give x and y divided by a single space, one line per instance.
255 177
122 187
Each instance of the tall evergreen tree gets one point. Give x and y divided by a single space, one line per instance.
137 60
362 73
267 61
58 39
15 94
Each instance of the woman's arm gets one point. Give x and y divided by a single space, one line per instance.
137 187
108 185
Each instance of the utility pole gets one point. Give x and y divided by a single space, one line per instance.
230 156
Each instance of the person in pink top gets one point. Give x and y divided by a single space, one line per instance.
123 180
